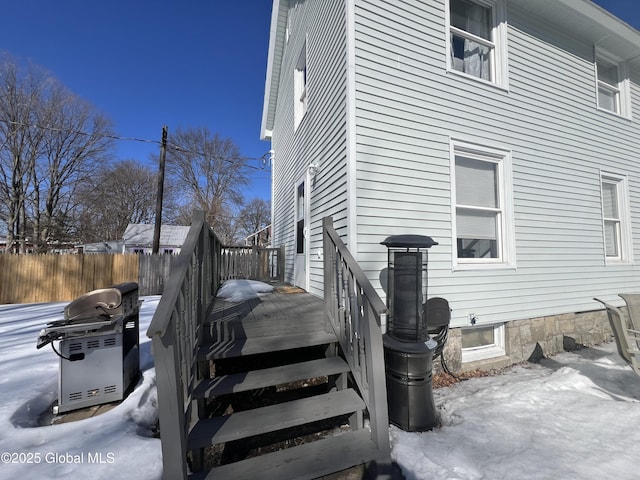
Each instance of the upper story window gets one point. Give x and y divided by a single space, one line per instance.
300 87
477 39
482 207
612 85
615 216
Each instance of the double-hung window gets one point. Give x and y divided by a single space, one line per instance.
615 216
482 207
300 87
476 39
612 84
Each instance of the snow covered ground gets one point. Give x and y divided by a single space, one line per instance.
573 416
115 445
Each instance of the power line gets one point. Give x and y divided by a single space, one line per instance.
77 132
264 159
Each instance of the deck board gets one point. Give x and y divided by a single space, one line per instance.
307 461
271 418
274 314
267 377
241 346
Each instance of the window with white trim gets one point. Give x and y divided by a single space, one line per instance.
300 87
482 207
612 84
476 39
482 342
615 217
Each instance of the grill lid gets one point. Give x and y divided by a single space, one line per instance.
100 310
104 301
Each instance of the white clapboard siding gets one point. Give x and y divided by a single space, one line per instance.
408 107
321 136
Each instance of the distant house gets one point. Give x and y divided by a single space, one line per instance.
138 238
3 246
508 130
261 238
113 246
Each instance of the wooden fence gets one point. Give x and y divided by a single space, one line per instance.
58 278
153 272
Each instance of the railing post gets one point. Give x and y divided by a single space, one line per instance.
254 263
281 263
327 249
170 408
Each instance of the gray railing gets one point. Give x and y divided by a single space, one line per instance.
352 306
175 333
355 312
254 263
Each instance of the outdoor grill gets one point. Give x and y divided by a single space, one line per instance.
98 347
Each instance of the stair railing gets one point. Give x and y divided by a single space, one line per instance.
265 264
175 333
356 311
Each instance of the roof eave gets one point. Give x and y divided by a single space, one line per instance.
605 18
589 21
621 38
273 71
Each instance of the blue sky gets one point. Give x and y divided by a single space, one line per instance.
147 63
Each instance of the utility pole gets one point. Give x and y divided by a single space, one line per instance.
156 232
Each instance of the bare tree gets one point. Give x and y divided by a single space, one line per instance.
115 196
49 141
254 217
71 152
210 172
20 142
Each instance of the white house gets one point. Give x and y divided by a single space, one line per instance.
507 130
109 246
138 238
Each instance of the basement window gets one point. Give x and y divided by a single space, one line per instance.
482 342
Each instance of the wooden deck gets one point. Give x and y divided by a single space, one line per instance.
259 377
272 322
285 306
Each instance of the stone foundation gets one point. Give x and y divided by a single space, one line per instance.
533 339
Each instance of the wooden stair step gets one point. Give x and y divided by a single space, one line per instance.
242 382
221 330
307 461
262 420
274 343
